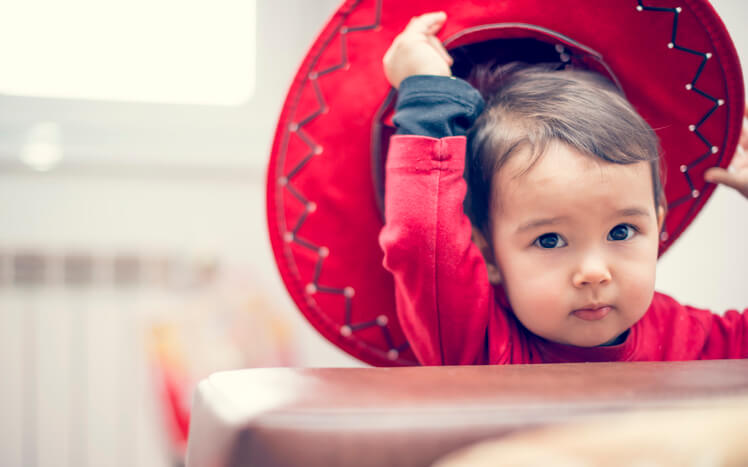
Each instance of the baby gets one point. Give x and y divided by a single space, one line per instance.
548 252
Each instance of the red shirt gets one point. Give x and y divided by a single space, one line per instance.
452 315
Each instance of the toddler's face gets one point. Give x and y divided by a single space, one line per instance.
575 240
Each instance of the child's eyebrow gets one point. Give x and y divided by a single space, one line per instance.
535 223
632 212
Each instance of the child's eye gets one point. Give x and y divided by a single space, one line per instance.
549 240
621 232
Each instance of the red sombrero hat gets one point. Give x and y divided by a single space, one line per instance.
673 59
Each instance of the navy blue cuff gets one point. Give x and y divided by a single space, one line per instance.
436 106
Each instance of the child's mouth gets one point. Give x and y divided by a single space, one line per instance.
593 313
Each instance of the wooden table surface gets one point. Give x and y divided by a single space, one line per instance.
413 416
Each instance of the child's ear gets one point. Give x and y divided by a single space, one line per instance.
660 217
494 276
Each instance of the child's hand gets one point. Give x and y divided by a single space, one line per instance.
417 51
737 175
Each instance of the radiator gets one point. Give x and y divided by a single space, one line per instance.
78 386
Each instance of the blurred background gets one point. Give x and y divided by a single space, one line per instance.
134 257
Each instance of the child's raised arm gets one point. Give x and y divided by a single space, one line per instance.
444 299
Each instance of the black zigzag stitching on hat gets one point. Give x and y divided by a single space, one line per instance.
694 128
348 328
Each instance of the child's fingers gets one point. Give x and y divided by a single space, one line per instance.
739 163
428 23
436 22
439 47
723 177
744 132
740 160
417 51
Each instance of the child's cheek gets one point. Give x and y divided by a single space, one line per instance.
636 285
535 288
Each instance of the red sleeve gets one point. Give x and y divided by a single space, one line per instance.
680 332
443 295
727 336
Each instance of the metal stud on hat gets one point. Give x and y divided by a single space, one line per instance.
673 59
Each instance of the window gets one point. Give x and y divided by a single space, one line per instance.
168 51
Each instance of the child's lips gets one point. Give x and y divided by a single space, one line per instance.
593 312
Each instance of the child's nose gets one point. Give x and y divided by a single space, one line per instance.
593 271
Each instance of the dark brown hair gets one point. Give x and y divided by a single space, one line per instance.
531 106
